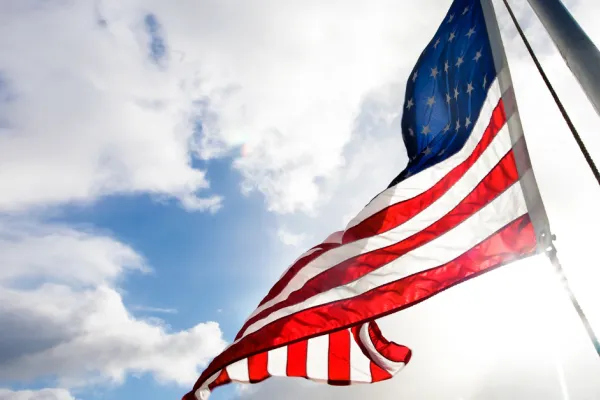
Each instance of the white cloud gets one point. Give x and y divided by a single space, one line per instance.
43 394
286 79
88 334
375 153
87 113
311 90
158 310
62 254
291 239
97 339
513 333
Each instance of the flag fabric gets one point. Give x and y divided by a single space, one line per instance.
464 205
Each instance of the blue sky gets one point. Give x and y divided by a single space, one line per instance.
157 45
161 164
204 266
191 254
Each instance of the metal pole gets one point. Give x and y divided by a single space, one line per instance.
546 240
551 253
575 46
564 113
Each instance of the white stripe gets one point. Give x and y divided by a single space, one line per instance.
203 392
432 175
308 253
504 209
238 371
390 366
277 362
335 237
317 358
360 365
500 145
424 180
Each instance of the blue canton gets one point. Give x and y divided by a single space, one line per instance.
447 88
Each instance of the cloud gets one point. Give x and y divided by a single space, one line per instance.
513 333
282 79
157 310
43 394
119 99
61 254
101 340
291 239
285 80
88 334
94 109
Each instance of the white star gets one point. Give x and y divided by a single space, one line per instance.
426 130
450 18
448 98
431 101
470 33
468 122
460 61
437 43
442 152
466 10
477 56
427 151
434 72
446 66
470 88
411 132
452 36
415 75
456 93
409 104
457 125
446 128
484 81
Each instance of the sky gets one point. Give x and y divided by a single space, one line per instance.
162 162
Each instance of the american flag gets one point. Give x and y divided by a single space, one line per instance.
465 204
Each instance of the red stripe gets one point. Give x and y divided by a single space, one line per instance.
378 374
296 359
293 270
222 379
339 358
395 215
500 178
390 350
257 367
399 213
516 240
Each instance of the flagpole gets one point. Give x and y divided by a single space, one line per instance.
551 253
562 109
575 46
546 239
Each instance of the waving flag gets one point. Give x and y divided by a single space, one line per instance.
465 204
